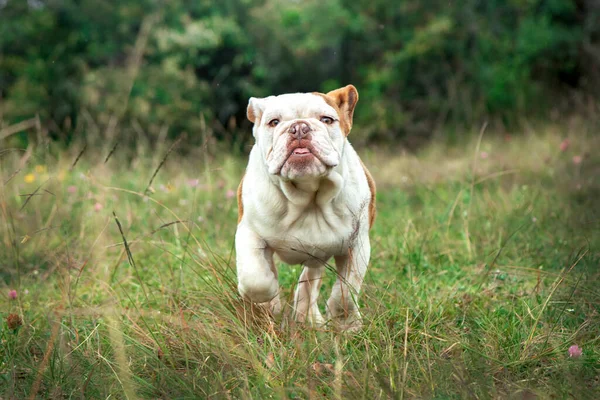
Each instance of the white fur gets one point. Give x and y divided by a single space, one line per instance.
305 216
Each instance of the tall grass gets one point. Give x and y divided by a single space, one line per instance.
484 272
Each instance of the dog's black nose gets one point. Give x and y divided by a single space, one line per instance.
299 129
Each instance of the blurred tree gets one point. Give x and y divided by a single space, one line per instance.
151 64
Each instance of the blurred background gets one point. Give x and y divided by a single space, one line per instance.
168 67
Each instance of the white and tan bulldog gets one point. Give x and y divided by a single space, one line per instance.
306 196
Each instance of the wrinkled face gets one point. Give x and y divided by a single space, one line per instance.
301 135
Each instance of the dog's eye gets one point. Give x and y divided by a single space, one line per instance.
327 120
273 123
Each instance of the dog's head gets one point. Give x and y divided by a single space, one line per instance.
301 135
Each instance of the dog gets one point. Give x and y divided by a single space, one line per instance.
306 196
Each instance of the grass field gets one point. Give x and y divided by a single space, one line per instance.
484 272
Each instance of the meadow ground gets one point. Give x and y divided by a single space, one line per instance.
484 274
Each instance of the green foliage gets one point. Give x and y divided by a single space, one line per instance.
417 65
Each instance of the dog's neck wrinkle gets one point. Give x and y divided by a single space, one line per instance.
316 201
313 193
311 186
301 195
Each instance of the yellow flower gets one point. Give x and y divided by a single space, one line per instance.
40 169
29 178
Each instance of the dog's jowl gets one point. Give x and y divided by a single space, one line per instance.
306 197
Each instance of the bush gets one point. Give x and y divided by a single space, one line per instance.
418 66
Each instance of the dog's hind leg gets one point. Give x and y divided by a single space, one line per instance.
342 306
306 308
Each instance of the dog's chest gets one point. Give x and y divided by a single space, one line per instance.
306 233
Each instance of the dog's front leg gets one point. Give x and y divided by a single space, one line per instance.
256 271
342 306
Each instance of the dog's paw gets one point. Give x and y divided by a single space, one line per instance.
275 307
351 322
272 308
353 325
313 318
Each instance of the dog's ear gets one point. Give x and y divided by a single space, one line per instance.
255 109
345 98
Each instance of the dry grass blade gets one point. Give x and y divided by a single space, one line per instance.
78 157
49 349
30 195
16 128
471 189
12 175
179 139
405 369
130 256
110 153
557 283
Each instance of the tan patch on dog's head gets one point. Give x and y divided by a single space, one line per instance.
343 100
255 109
250 113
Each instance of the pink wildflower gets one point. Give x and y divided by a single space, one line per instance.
98 207
577 160
230 194
575 351
564 145
484 155
72 189
193 182
12 294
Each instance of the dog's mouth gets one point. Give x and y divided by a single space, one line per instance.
302 155
301 151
